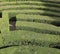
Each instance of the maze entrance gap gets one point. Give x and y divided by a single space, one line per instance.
12 22
0 14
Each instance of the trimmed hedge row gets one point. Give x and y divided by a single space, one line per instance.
29 50
23 37
29 3
48 10
37 27
51 1
36 18
39 12
33 12
13 7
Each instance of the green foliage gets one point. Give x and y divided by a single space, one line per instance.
37 27
29 50
32 8
29 2
52 1
34 33
1 40
49 9
23 37
4 23
36 18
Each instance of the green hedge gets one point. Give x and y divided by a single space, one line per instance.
37 18
29 50
23 37
29 2
37 27
1 40
33 12
16 7
51 1
4 23
48 9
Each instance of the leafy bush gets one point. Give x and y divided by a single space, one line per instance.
29 50
37 18
23 37
37 27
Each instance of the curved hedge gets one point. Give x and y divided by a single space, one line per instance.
23 37
36 30
37 18
37 27
29 50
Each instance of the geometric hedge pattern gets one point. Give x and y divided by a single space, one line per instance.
29 27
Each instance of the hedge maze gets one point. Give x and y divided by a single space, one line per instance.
29 27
